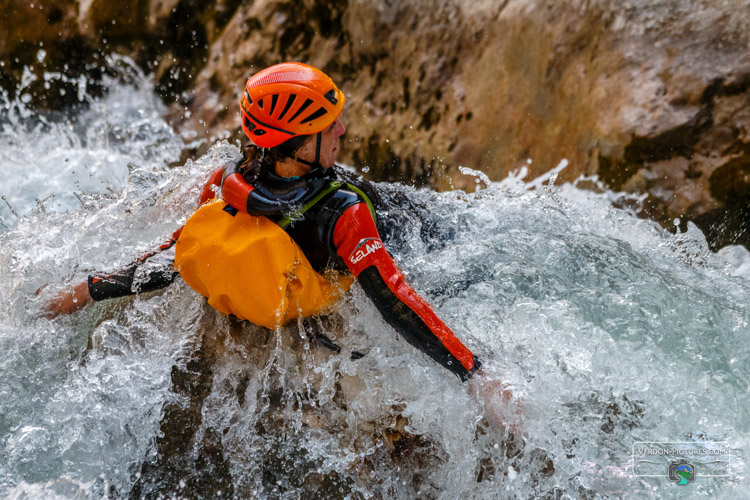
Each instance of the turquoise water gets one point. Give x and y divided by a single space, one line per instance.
604 329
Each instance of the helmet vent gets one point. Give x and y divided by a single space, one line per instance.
249 100
304 106
274 99
288 105
331 96
320 112
260 104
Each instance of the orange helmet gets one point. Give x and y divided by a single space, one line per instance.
288 100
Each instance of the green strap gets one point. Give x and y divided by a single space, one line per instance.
367 200
333 186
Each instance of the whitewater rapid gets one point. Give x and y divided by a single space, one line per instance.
604 329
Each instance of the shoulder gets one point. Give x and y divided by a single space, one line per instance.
367 190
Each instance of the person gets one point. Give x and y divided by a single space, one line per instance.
281 232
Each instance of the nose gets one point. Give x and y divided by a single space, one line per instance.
339 128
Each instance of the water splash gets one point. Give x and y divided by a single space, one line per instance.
602 329
89 152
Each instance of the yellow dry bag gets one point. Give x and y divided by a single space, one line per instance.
249 267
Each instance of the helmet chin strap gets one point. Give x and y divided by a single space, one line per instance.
315 165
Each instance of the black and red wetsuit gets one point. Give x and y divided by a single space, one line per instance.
338 231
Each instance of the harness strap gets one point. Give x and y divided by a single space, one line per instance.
315 165
332 186
366 198
296 215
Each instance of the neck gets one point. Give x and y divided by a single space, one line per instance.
289 167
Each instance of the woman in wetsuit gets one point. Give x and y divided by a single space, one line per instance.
291 114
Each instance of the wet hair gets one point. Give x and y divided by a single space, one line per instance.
259 161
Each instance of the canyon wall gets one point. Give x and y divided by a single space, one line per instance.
651 96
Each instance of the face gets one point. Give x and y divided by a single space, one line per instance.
329 145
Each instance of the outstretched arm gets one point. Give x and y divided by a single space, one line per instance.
357 241
119 284
124 282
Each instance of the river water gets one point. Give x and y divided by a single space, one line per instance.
603 329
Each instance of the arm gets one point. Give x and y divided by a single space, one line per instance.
124 282
357 241
119 284
100 287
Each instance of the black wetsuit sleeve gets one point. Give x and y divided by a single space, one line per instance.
150 272
357 242
409 325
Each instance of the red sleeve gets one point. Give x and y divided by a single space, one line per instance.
357 241
214 183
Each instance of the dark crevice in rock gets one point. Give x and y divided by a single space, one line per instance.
387 166
679 141
179 52
729 225
730 183
72 58
726 226
741 86
55 15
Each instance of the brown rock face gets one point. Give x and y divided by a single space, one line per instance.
651 96
35 35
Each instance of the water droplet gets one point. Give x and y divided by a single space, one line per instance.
41 54
365 169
